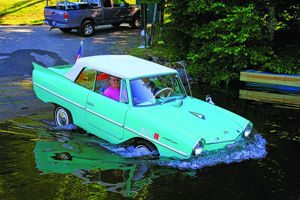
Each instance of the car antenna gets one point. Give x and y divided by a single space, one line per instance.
187 79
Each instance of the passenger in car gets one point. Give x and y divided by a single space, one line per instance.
113 91
150 85
102 82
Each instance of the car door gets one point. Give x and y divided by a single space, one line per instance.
108 11
97 11
107 114
122 12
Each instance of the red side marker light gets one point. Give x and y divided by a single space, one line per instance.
65 16
156 136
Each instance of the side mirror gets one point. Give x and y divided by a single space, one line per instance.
178 103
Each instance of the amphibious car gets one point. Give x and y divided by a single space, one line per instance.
152 112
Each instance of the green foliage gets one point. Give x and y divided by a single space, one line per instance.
219 40
286 61
22 12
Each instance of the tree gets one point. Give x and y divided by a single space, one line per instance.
220 38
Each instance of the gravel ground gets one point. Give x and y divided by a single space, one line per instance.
22 45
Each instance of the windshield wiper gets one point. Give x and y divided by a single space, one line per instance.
167 101
183 97
173 99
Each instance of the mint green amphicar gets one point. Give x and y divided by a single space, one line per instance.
145 105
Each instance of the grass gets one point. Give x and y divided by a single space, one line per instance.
18 12
25 12
155 50
31 12
160 48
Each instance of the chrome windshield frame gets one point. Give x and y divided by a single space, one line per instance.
174 76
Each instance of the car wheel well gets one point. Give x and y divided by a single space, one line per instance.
87 28
87 19
62 116
133 141
141 141
136 21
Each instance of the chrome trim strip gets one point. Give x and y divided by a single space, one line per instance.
76 104
116 123
171 148
240 135
222 141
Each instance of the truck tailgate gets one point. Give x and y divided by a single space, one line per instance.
54 15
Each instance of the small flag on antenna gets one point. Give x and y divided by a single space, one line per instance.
79 54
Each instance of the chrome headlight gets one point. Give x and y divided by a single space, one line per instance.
247 130
198 148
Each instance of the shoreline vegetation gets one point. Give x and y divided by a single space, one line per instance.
218 39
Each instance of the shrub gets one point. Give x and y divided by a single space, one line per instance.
218 40
286 61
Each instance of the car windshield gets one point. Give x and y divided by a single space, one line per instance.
149 91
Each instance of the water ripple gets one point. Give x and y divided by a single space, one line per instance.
252 148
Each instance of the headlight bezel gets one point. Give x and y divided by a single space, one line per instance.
198 148
247 130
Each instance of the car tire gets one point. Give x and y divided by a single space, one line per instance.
87 28
146 146
66 30
62 116
136 21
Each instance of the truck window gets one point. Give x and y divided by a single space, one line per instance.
106 3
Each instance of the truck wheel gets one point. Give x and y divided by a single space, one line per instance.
62 116
87 28
145 146
136 22
66 30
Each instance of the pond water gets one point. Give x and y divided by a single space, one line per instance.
42 161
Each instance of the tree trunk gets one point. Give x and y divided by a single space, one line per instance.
271 20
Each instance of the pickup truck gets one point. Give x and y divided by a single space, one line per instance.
84 15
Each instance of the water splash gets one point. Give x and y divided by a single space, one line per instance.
48 122
254 148
65 127
250 148
43 124
128 152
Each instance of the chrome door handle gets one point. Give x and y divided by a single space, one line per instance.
90 103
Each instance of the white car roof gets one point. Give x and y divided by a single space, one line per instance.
122 66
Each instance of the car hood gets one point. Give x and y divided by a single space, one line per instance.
201 120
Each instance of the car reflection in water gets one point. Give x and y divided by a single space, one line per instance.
67 152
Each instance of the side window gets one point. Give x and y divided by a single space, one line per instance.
102 82
86 78
106 3
117 3
92 2
124 95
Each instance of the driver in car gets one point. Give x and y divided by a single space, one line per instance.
152 87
